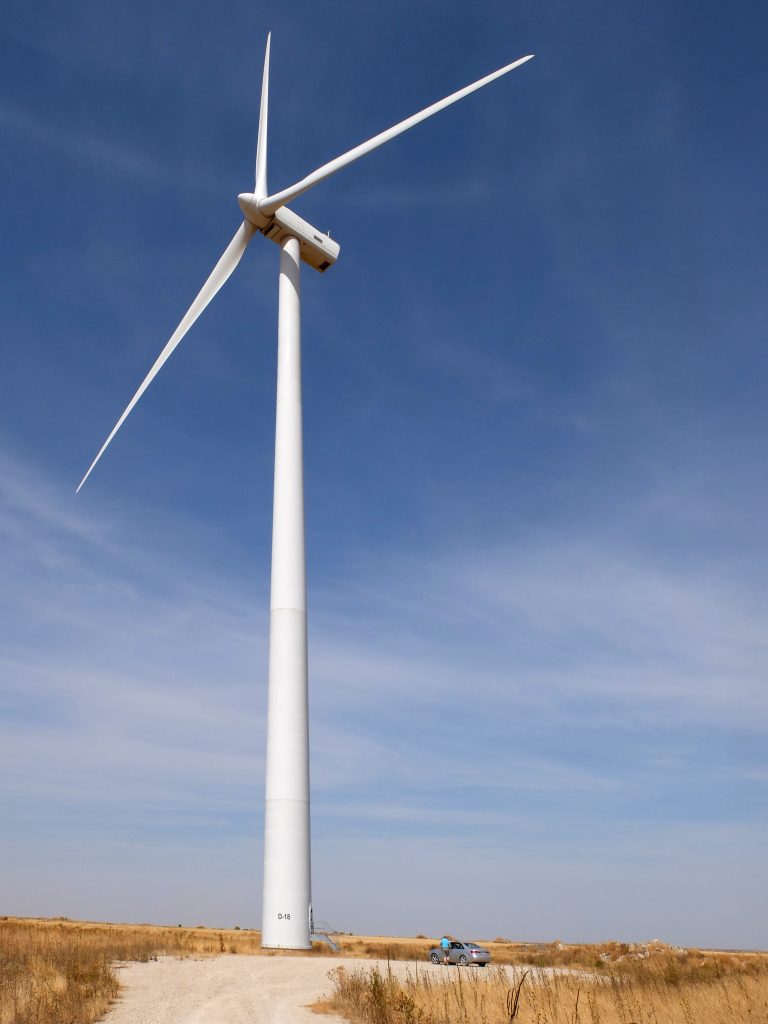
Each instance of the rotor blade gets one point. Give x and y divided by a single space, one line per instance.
260 188
218 276
273 203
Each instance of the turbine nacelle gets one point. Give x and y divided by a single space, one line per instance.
317 249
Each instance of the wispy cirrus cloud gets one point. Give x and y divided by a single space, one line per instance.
578 615
79 146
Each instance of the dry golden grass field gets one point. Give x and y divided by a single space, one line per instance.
60 972
668 988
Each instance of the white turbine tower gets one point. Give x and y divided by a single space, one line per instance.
287 902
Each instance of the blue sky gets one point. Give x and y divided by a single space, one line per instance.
535 474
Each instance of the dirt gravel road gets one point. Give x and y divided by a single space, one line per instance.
238 989
223 990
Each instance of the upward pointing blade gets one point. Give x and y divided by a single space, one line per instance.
273 203
219 275
260 187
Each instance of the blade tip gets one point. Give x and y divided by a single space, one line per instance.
90 470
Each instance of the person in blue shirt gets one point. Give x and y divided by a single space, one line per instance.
445 945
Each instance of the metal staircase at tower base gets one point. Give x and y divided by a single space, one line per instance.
323 932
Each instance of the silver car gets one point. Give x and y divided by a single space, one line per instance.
462 954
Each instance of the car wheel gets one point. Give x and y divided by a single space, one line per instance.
463 960
435 958
482 965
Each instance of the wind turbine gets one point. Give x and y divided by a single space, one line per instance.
287 907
